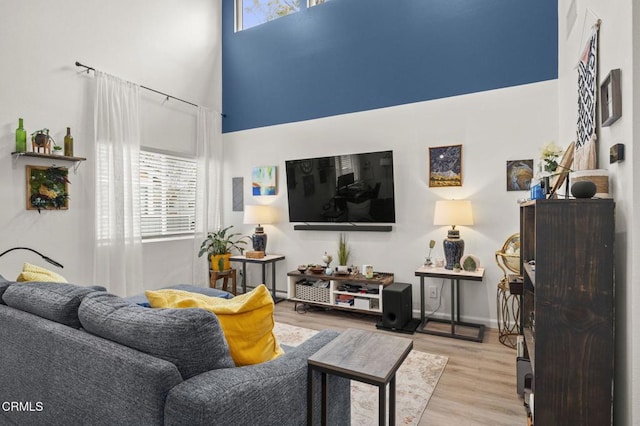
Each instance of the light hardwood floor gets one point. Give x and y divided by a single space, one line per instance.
478 386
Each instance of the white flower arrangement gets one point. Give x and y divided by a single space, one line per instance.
549 154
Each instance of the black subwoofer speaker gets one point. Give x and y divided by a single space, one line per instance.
396 305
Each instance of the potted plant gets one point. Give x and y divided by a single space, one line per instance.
57 150
343 254
218 246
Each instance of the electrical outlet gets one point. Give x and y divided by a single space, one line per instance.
433 292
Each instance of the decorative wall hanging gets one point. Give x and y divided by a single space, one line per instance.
610 98
445 166
519 175
585 147
237 188
47 187
263 180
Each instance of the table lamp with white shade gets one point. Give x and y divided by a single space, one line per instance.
454 213
259 215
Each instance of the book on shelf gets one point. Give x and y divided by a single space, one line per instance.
344 300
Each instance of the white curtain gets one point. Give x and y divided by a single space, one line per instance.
209 187
118 254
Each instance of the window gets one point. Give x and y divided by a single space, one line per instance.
250 13
167 194
346 164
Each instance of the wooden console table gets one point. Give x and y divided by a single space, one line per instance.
364 356
455 277
329 296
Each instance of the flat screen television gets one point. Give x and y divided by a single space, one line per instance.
350 188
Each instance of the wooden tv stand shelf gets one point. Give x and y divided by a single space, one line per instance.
567 309
327 290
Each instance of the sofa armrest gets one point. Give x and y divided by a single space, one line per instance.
274 392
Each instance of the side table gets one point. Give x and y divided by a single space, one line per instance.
365 356
214 276
267 259
455 277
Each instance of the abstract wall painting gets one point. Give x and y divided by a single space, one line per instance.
263 180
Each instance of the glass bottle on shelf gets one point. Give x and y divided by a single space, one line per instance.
21 137
68 143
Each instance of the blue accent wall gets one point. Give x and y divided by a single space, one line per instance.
354 55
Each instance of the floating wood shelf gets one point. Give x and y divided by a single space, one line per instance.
75 160
49 156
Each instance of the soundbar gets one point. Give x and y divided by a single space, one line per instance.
342 227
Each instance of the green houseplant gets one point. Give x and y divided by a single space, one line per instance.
218 246
343 253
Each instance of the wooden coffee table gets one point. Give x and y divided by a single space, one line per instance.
366 356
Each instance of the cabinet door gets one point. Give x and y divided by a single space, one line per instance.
574 311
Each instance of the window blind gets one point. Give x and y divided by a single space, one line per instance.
167 194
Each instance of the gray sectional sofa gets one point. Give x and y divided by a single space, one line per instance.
72 355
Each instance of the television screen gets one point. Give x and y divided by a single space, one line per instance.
344 188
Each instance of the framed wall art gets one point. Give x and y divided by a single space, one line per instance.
47 188
445 166
263 180
519 175
610 98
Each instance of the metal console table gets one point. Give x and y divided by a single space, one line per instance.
455 277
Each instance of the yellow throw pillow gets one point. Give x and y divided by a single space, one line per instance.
246 320
36 273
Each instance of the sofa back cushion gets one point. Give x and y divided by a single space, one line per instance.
57 302
189 338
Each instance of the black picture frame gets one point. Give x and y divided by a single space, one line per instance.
610 98
445 166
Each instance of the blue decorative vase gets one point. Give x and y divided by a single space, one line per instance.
453 248
259 239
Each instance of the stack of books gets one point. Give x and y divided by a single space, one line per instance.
344 300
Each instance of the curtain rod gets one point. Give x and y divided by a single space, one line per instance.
78 64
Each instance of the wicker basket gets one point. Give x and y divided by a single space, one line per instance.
312 294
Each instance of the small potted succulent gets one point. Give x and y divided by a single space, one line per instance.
218 246
57 150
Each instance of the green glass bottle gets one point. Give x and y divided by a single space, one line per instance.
21 137
68 143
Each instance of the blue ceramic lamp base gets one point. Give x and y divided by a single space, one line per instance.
453 249
259 240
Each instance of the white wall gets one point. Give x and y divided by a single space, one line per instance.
493 127
616 50
160 44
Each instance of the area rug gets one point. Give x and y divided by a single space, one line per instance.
416 379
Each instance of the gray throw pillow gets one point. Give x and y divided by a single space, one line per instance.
4 284
189 338
54 301
141 299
